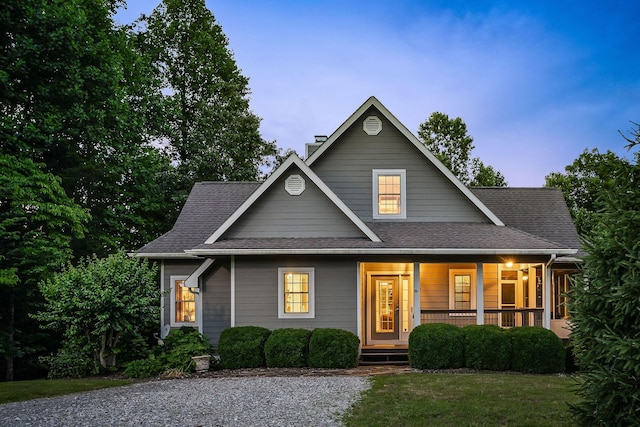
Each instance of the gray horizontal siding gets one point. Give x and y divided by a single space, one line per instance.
335 292
216 301
279 214
347 169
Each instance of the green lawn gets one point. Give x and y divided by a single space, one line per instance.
26 390
484 399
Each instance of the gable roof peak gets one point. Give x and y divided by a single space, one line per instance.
292 160
372 101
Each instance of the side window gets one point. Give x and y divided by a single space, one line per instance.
462 289
296 288
183 303
389 193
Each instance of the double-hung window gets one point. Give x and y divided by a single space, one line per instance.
389 193
462 290
296 297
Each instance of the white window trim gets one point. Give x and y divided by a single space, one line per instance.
172 284
403 193
452 303
281 313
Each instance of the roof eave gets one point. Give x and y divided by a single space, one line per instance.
380 251
163 255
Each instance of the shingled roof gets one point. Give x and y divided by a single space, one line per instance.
536 219
209 204
539 211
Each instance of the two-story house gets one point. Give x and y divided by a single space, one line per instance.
371 234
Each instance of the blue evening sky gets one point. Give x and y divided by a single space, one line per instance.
536 82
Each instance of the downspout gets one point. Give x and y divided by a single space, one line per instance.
547 292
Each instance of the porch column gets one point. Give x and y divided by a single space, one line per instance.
479 294
547 298
416 294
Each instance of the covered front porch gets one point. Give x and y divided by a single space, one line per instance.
397 296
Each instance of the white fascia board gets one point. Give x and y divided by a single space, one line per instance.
373 101
382 251
292 160
192 281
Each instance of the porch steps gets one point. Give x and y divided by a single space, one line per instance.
386 356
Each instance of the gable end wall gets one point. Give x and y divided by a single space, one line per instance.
346 167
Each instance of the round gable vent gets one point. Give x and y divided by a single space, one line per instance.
294 185
372 125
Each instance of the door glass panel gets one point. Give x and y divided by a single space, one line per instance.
385 308
508 302
405 305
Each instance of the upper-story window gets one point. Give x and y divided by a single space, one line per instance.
389 193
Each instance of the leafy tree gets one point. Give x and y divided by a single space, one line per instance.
37 222
73 95
210 133
582 183
449 141
100 302
604 301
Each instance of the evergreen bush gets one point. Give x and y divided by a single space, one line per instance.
436 346
333 348
243 347
287 348
536 350
487 347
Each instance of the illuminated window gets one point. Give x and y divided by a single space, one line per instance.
389 193
462 292
296 292
183 302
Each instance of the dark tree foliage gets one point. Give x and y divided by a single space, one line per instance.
37 222
604 301
210 132
73 92
582 182
450 142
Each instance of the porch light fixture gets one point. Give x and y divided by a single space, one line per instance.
509 264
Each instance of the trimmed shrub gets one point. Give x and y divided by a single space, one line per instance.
333 348
536 350
436 346
243 347
287 348
487 347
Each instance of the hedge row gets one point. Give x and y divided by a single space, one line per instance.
255 346
486 347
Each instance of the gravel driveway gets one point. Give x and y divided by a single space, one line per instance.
247 401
